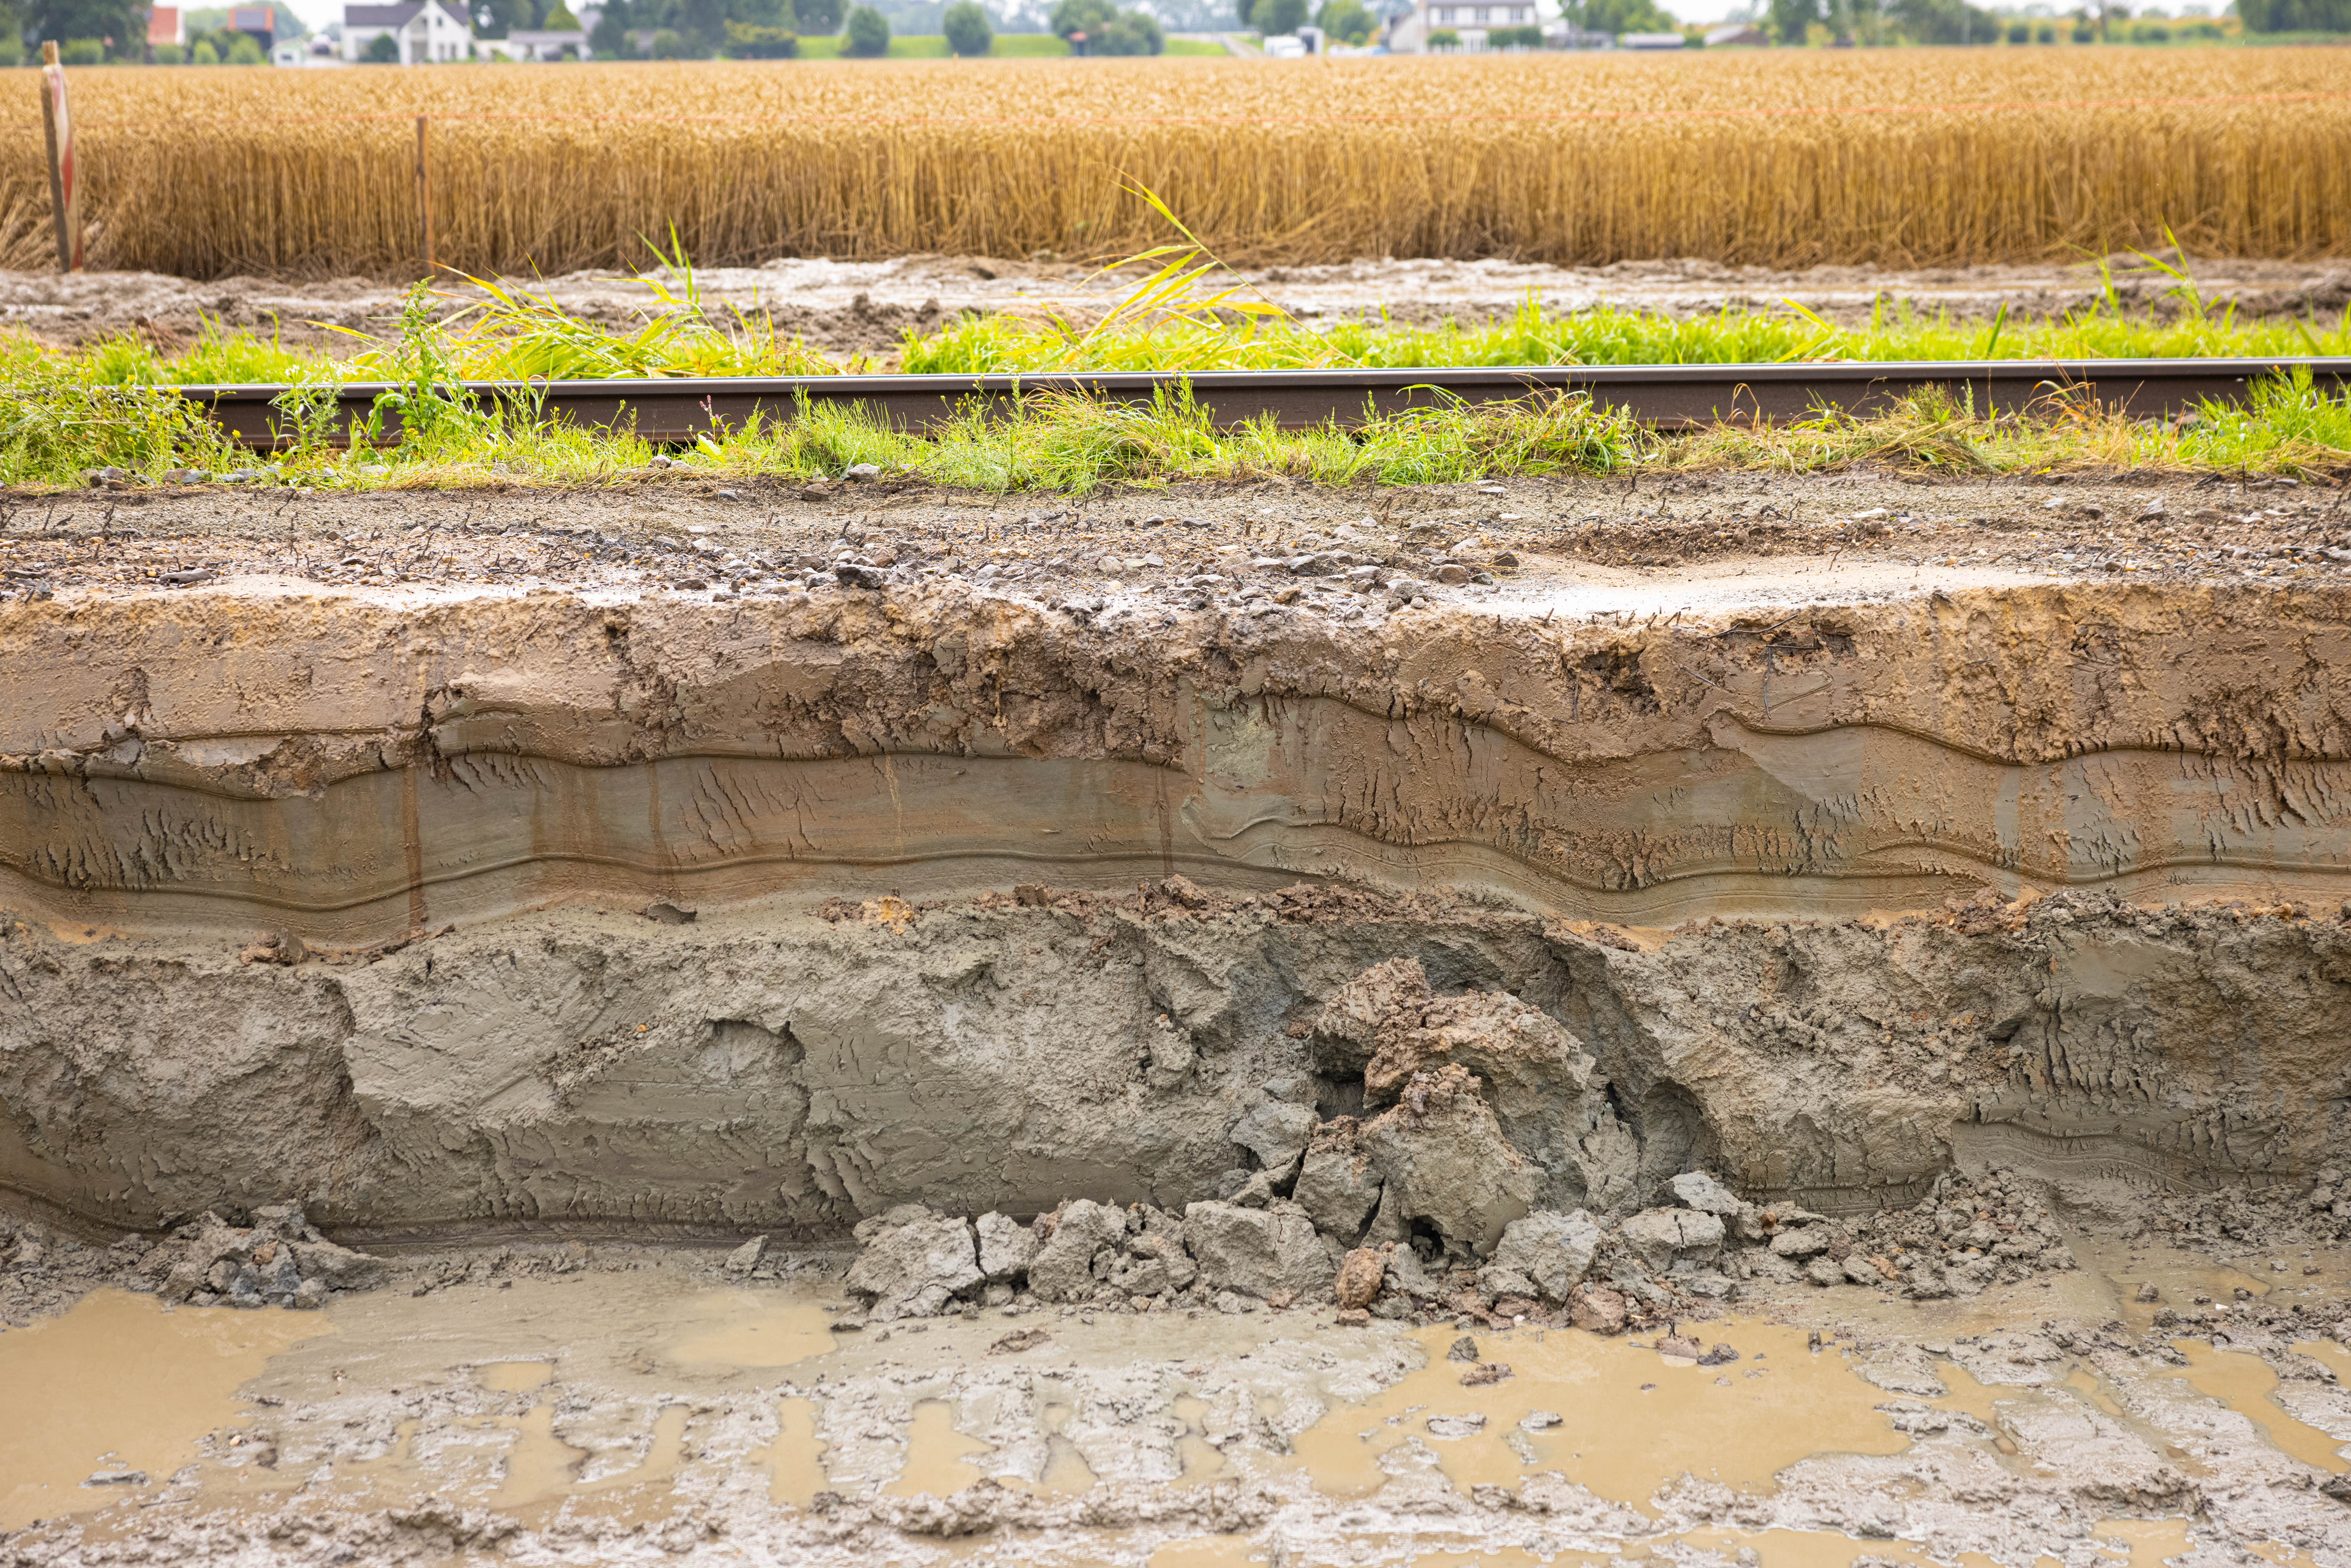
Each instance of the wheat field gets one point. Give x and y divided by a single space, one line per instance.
1908 157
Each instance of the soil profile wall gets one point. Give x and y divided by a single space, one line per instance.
2030 773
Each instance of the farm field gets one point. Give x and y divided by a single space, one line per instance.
1894 158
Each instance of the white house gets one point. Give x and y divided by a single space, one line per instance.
1409 34
422 30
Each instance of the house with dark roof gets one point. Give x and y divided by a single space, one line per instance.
421 32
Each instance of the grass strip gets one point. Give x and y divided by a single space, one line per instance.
55 436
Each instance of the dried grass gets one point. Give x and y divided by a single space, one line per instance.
1913 157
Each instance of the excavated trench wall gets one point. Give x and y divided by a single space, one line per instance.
861 1015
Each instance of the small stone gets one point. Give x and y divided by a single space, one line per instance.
1017 1340
1597 1310
1541 1420
308 1296
1454 1426
861 471
1720 1355
746 1258
1353 1317
2148 1293
1804 1241
1006 1246
1361 1272
669 912
1680 1347
1697 1190
1485 1373
116 1477
1464 1349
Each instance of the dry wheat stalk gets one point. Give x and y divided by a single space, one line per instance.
1569 160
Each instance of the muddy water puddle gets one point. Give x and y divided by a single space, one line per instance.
125 1388
1611 1415
621 1403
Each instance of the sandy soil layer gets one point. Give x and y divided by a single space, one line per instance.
870 306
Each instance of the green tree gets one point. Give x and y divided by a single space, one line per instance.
816 18
610 40
1131 32
702 21
120 26
2295 16
245 52
1945 22
1345 20
1614 16
749 41
1277 18
1072 17
1791 21
497 18
203 54
869 33
966 25
1444 38
669 44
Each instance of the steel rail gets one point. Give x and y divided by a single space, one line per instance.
673 410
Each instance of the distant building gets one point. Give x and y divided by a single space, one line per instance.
1409 34
1565 35
525 44
167 25
1737 36
1650 41
422 31
258 23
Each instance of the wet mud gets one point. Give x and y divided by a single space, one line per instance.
647 1407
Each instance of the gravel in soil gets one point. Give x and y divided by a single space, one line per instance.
1346 553
868 307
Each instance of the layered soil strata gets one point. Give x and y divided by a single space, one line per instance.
379 900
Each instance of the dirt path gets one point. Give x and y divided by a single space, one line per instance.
869 306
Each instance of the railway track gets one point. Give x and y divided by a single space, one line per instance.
676 410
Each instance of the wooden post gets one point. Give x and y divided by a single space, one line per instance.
425 192
65 188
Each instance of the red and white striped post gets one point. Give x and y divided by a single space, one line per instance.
65 188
